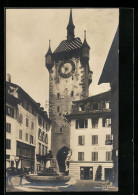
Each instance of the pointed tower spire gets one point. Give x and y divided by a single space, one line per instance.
85 42
48 58
70 28
49 49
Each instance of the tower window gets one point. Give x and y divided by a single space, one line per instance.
58 95
61 130
58 109
72 93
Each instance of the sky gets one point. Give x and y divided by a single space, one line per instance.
27 40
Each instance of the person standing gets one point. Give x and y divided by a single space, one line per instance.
21 176
9 176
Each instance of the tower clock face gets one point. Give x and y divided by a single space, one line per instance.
66 69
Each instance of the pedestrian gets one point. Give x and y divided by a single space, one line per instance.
21 176
9 176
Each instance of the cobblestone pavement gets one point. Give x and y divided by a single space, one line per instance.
72 185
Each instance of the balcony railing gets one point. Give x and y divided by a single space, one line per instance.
108 142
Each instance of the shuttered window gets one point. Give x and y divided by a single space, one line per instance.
81 156
94 139
20 134
94 156
108 156
81 140
8 127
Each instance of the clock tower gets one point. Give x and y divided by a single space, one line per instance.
69 80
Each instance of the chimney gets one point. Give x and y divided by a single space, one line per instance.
8 78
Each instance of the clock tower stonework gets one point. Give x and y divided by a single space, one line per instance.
69 80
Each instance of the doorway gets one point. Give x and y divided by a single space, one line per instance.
109 174
86 173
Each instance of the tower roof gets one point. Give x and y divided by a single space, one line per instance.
70 24
85 42
70 28
66 45
49 49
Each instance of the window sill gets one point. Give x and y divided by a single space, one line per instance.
59 133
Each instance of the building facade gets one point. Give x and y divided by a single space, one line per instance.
110 74
91 140
69 80
23 129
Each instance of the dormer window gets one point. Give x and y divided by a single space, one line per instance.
72 93
95 106
108 105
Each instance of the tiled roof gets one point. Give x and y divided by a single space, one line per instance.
102 96
69 45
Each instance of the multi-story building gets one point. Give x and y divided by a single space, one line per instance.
23 126
69 80
91 138
110 74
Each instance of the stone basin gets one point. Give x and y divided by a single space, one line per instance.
42 179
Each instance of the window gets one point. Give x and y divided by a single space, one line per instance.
31 139
108 137
10 111
57 108
26 137
46 126
39 134
94 139
8 127
95 106
42 149
108 105
81 108
43 136
45 150
80 156
21 118
27 122
32 125
20 134
81 140
108 140
58 95
106 122
72 93
95 122
46 139
39 120
39 147
8 144
108 156
94 156
81 124
61 130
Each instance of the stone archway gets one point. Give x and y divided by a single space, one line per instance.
61 157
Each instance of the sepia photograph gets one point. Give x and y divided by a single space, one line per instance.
62 83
